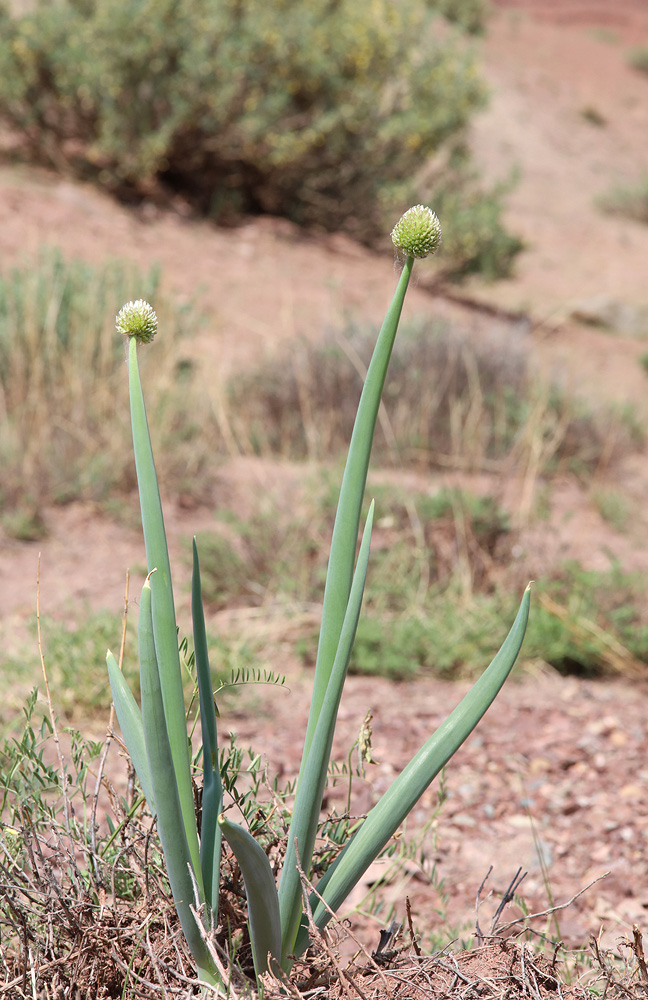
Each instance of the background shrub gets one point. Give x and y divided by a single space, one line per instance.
321 112
451 401
471 15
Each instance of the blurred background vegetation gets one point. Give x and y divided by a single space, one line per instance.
336 114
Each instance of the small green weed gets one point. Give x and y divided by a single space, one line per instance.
604 35
71 653
629 200
613 507
638 58
593 116
591 623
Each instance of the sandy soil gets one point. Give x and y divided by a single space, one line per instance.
563 757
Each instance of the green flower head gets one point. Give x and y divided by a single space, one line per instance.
418 232
137 319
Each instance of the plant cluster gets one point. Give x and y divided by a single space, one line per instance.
85 907
322 113
281 926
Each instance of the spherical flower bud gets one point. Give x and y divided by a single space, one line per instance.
137 319
418 232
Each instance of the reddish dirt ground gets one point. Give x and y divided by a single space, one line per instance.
565 754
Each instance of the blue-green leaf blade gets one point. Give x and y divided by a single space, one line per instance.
212 797
399 799
129 718
347 519
163 607
308 800
170 819
261 893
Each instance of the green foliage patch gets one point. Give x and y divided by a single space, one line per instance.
638 58
630 201
323 113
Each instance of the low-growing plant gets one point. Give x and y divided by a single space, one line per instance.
613 507
591 623
269 553
156 734
72 650
638 58
630 201
593 116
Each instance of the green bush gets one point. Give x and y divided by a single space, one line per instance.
475 241
321 112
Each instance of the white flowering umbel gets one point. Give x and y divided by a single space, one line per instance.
137 319
418 232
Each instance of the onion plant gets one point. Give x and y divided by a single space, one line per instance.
156 733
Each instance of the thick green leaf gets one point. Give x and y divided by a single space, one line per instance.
308 800
130 723
212 795
399 799
261 892
163 609
170 822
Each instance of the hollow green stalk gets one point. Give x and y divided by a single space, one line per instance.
163 607
308 800
171 827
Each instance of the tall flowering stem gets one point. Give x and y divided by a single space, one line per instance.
156 735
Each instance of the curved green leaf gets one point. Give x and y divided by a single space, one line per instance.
399 799
261 892
163 608
212 796
129 718
308 800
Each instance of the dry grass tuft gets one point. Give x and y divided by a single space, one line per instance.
64 409
450 402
